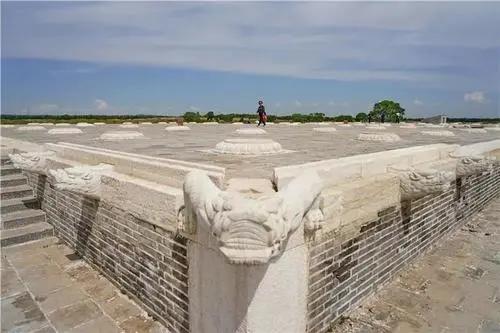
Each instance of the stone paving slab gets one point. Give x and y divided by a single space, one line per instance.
307 145
47 288
455 288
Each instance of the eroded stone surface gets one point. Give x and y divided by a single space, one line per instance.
84 125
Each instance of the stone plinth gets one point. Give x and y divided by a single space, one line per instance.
31 128
248 147
383 137
69 130
475 130
62 124
438 133
375 127
325 129
250 131
121 135
177 128
84 125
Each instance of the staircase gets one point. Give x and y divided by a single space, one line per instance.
22 218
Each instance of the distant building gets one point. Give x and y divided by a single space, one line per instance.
442 119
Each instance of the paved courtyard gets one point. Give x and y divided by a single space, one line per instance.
305 144
47 288
455 288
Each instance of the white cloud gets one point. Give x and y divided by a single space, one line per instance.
331 103
416 101
323 40
297 104
101 104
277 105
475 97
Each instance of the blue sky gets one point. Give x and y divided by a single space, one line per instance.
171 57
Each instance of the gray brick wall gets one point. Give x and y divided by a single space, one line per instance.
342 275
146 262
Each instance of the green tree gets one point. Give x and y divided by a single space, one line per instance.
210 115
361 116
191 116
390 108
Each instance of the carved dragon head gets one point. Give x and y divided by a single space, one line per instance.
82 179
416 183
472 164
251 231
33 162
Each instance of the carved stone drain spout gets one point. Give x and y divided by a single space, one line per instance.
34 162
84 180
416 183
251 231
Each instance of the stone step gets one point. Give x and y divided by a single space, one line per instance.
5 160
29 246
8 169
22 218
12 192
13 180
17 204
27 233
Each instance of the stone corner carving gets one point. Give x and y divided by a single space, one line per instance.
84 180
417 183
250 231
32 161
472 164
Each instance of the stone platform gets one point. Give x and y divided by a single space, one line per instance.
306 144
46 288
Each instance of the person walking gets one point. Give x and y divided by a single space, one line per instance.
262 114
382 117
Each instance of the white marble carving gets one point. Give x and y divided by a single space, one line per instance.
68 130
251 231
250 131
470 165
381 137
84 125
121 135
325 129
11 126
84 180
99 123
177 128
31 128
438 133
248 147
210 123
62 124
129 126
33 162
416 183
